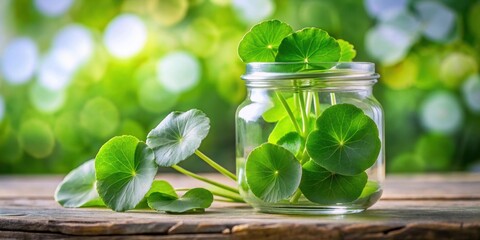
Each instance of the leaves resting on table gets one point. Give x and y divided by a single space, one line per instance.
125 169
157 186
178 136
78 188
194 200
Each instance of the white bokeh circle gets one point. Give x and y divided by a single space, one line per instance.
2 108
57 69
252 11
76 39
441 112
19 60
125 36
178 71
53 8
471 92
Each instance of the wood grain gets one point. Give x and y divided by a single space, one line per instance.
415 207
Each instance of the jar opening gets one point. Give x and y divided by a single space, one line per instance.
319 71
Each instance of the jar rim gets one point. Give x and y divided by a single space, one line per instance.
318 70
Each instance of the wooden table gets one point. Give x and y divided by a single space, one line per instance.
412 207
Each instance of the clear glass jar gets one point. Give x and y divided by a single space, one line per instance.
337 177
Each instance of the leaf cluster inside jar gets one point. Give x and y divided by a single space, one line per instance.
320 153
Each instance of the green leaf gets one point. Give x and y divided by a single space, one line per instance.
370 188
277 112
194 200
347 52
285 126
309 45
346 140
260 44
293 142
125 169
163 187
272 172
78 188
178 136
282 127
157 186
322 186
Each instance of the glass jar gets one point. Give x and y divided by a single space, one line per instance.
310 139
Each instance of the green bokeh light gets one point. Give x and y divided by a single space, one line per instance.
99 118
36 138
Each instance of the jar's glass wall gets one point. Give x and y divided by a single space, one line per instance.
258 121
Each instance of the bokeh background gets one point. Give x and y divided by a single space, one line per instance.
75 73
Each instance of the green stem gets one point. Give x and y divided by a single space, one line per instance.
305 157
298 192
303 113
235 198
203 179
231 197
316 105
333 99
289 111
296 196
308 106
215 165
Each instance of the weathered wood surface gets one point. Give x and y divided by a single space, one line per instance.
412 207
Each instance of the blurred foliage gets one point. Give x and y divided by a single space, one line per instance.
75 73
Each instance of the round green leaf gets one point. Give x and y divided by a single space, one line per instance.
285 126
347 52
277 111
346 141
272 172
370 188
163 187
293 142
260 44
322 186
125 169
78 188
309 45
194 200
178 136
157 186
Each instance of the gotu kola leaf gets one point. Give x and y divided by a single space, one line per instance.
194 200
309 46
346 140
157 186
293 142
260 44
78 188
322 186
277 111
284 126
272 172
347 52
178 136
125 169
